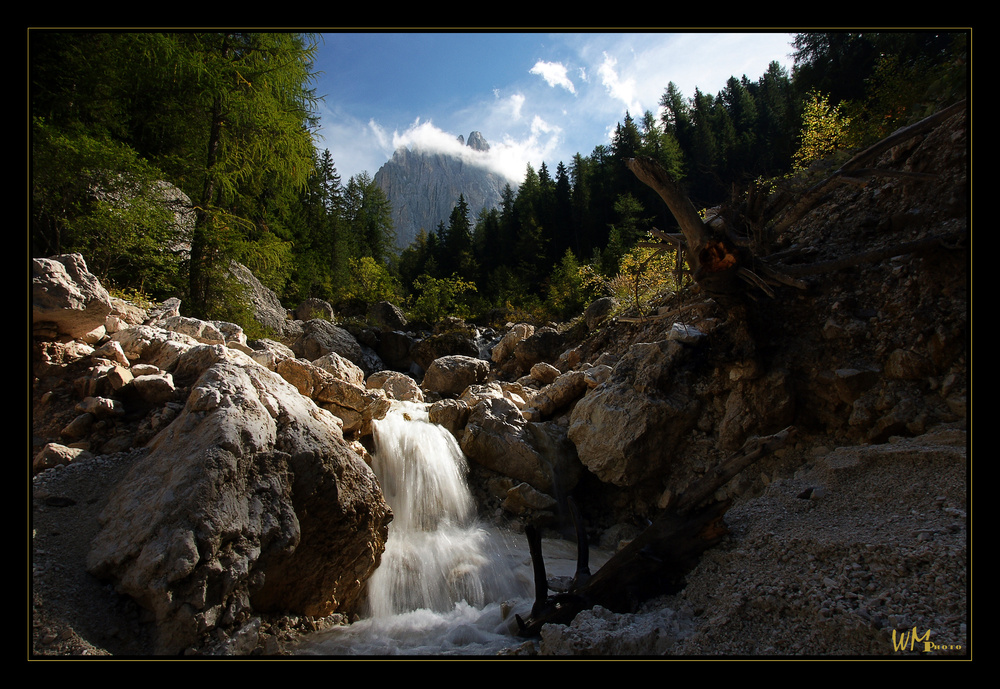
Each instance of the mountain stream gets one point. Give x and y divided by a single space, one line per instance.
447 584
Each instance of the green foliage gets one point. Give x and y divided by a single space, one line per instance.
370 282
132 296
570 288
319 246
97 197
367 215
902 89
435 298
644 273
824 130
225 116
267 256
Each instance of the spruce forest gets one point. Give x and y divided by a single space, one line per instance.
229 118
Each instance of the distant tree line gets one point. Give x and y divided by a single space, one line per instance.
229 119
563 239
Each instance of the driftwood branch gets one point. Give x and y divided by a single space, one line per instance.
916 246
651 173
657 560
854 167
719 262
712 259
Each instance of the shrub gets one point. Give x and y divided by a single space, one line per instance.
436 298
824 130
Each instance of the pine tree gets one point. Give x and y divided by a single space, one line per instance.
321 257
677 117
458 242
368 219
564 231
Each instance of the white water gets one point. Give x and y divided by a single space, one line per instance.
447 584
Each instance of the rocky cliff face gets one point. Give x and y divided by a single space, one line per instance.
424 187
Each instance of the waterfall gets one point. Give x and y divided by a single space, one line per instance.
444 574
437 554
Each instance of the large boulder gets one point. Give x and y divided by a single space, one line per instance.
123 315
598 311
263 302
268 353
250 500
352 402
450 375
498 437
341 368
320 337
387 316
624 429
451 414
397 386
202 331
67 300
545 344
505 347
563 391
452 343
152 345
394 349
314 308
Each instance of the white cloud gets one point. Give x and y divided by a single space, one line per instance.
382 138
554 74
424 136
513 105
620 89
540 126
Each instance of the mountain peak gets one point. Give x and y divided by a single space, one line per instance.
477 142
424 187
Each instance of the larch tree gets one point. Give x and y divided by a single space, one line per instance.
254 106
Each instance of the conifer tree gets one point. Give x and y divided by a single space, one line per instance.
254 106
367 217
458 242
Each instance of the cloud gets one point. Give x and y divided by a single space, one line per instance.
554 74
620 89
424 136
509 155
506 109
382 139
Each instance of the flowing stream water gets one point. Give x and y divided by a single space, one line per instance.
447 584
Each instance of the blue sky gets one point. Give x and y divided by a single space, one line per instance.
536 97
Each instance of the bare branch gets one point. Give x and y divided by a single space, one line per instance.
853 167
657 560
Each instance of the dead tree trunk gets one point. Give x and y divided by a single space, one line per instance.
656 562
723 265
713 260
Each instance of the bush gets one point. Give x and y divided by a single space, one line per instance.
824 131
371 282
643 273
572 287
437 298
